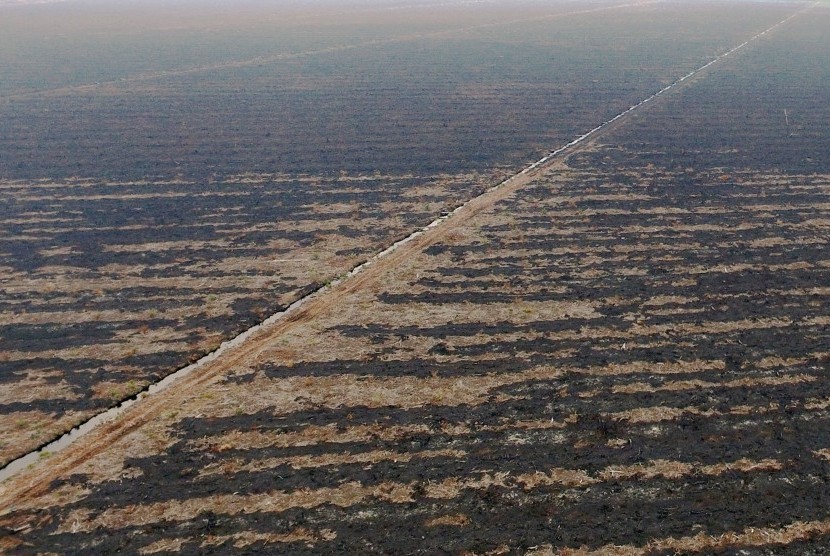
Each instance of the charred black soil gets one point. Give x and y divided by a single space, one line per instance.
626 356
149 213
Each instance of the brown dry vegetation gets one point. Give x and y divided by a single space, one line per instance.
152 212
615 355
187 302
266 414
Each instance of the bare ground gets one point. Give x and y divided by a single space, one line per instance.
596 358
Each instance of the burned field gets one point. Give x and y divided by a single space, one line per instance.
626 355
121 283
471 97
149 213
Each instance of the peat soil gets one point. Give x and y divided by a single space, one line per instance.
627 356
149 212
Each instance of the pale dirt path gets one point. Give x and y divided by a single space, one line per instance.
36 480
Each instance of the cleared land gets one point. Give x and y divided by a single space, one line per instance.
148 213
626 355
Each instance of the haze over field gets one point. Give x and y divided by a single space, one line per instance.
173 187
498 277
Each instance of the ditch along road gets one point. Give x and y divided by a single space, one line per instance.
31 476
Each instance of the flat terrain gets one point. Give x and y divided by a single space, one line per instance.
624 353
122 283
155 205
